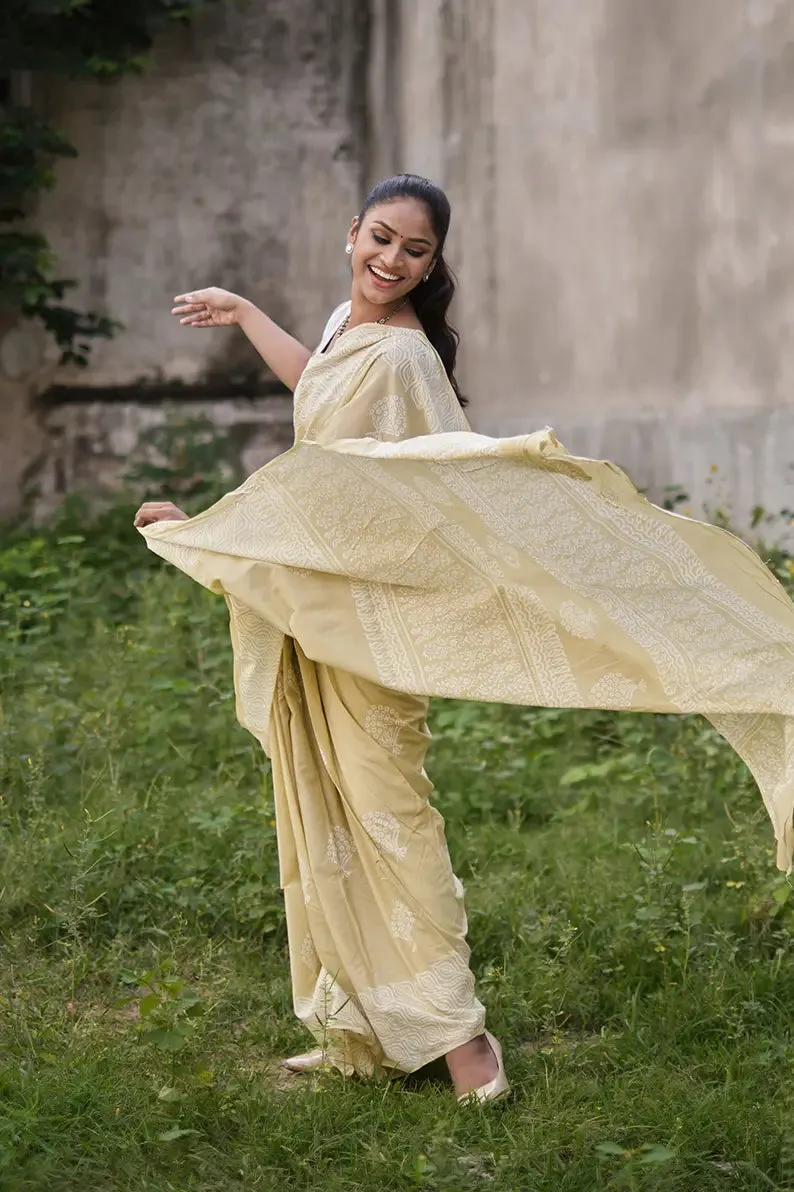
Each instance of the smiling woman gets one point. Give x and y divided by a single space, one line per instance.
403 259
392 555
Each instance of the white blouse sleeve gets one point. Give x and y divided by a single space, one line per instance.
337 315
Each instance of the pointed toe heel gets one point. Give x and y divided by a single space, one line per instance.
307 1062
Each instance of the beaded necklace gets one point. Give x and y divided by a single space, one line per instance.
346 320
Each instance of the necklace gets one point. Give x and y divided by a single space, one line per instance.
346 320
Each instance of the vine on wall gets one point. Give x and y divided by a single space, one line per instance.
74 39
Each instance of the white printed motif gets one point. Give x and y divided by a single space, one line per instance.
341 850
388 416
309 953
402 922
579 621
384 828
422 1016
616 689
502 551
383 724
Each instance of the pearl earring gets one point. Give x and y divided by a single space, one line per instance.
348 249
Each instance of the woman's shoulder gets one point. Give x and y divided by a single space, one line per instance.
409 346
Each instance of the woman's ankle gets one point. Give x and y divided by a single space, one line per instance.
472 1064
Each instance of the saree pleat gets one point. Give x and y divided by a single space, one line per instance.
392 555
375 914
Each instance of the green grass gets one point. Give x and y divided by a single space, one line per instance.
631 936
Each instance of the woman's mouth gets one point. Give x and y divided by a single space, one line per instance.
382 279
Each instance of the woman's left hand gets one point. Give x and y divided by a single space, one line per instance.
155 511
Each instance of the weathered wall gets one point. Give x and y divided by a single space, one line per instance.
236 161
619 172
93 443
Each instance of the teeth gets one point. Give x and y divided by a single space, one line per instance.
385 276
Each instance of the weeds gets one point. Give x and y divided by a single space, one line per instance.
630 933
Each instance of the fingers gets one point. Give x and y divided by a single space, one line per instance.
194 314
200 318
152 511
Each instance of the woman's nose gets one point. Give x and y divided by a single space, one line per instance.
392 260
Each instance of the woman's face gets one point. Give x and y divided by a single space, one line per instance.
392 249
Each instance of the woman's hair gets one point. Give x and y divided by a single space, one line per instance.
430 298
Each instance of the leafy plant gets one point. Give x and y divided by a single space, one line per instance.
95 39
168 1010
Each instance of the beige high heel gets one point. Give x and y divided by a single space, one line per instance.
495 1089
308 1061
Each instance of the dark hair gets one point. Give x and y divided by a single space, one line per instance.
430 298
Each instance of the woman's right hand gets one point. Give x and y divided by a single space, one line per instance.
210 308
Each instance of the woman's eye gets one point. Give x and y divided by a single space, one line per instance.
412 252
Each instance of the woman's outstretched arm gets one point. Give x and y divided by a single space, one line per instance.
283 354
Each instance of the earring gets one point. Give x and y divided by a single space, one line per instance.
426 275
348 249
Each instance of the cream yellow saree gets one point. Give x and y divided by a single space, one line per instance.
391 555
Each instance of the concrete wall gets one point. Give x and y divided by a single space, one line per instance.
92 444
619 172
236 162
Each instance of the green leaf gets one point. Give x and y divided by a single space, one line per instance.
165 1040
148 1003
176 1132
589 770
655 1153
185 1028
169 1094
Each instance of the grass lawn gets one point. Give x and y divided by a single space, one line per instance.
631 936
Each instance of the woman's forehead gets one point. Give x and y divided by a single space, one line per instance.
407 217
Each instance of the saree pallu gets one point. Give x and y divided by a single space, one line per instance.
394 547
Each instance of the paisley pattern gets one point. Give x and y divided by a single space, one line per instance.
384 724
392 555
384 828
340 850
579 621
402 921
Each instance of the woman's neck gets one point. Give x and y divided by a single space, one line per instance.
362 311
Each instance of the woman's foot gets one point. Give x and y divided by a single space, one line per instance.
308 1061
472 1065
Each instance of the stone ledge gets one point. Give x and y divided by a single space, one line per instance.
89 444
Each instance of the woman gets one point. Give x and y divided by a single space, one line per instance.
391 555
